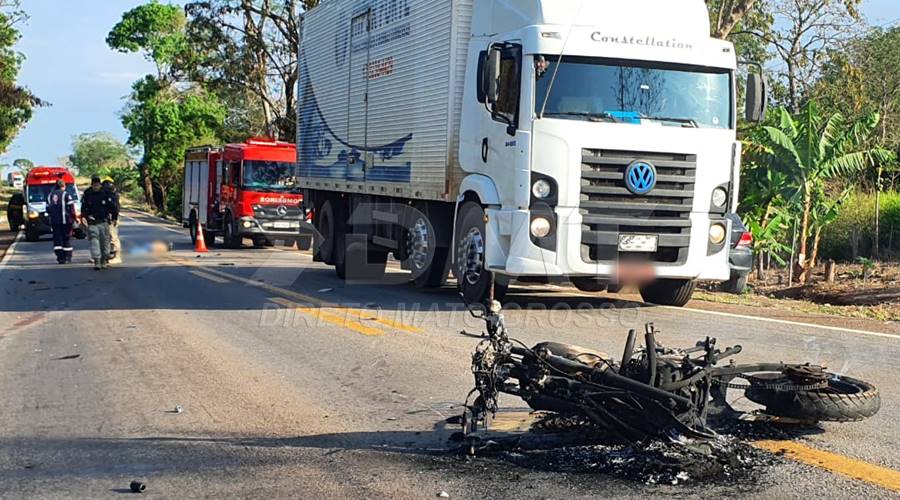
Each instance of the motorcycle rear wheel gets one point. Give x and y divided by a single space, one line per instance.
844 400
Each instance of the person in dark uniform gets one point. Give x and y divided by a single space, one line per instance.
61 209
115 245
99 208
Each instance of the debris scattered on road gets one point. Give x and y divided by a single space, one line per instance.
326 290
443 494
178 409
226 263
70 356
138 487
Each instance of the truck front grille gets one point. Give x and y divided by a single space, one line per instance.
609 209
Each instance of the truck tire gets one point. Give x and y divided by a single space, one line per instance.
357 260
473 280
736 284
229 238
844 400
325 239
430 264
589 285
668 292
192 227
31 234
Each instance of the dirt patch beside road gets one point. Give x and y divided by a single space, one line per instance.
6 237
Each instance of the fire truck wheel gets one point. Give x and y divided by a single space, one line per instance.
192 227
230 239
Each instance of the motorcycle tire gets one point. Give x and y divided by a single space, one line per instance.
844 400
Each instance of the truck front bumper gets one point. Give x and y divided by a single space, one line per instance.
510 251
250 227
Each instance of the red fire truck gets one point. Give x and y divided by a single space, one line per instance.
245 190
38 184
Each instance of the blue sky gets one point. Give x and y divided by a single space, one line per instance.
70 66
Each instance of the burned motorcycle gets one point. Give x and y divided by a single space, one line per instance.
652 392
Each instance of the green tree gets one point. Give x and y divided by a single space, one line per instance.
738 21
16 102
165 121
158 31
864 78
800 35
819 157
246 52
97 152
23 164
165 114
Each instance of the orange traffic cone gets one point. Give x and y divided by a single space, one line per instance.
200 243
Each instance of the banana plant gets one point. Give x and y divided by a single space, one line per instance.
812 150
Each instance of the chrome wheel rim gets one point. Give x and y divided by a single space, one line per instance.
417 244
471 252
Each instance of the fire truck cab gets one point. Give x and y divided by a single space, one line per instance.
245 190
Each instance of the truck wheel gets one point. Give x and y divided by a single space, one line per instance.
209 238
230 239
736 284
357 260
325 240
32 234
668 292
428 262
192 227
589 284
472 279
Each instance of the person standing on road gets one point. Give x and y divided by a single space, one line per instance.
61 209
99 208
115 246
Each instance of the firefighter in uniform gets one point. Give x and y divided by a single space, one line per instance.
99 209
61 209
115 246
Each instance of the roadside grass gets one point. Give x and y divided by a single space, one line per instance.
881 312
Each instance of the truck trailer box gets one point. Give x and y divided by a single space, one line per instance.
380 93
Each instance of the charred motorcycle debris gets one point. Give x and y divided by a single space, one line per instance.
652 391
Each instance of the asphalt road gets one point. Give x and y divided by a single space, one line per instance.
294 384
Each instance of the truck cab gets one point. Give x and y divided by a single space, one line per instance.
39 182
601 149
245 190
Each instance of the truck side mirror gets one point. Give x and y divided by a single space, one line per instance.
492 73
756 98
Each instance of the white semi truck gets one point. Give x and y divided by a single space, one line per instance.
522 139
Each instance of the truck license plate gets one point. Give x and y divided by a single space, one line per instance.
638 242
282 225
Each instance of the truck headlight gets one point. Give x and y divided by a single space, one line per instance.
719 197
33 215
540 227
247 224
541 189
717 234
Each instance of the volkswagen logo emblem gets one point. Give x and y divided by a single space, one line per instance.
640 177
281 211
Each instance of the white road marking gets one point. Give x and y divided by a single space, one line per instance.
11 250
785 322
699 311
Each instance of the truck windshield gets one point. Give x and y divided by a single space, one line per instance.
634 92
269 175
